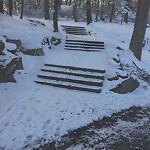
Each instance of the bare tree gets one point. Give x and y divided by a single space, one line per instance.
10 6
46 9
138 35
1 6
55 15
88 11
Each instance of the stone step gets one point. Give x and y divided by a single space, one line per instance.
77 33
83 44
84 47
77 68
89 42
75 29
52 74
85 50
65 26
101 77
91 83
68 85
67 70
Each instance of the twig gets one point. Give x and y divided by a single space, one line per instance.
137 66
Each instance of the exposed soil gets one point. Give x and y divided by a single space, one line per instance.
125 130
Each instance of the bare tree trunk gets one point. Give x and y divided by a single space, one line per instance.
75 10
55 15
46 9
10 6
88 12
112 12
22 6
1 6
138 35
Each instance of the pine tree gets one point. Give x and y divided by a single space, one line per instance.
75 10
138 35
46 9
1 6
88 11
22 6
10 6
55 15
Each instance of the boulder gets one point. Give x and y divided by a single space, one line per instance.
2 47
6 73
16 42
33 52
126 86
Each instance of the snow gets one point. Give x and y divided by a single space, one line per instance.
31 113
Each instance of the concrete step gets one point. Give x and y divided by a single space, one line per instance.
70 86
76 68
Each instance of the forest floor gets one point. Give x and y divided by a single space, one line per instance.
125 130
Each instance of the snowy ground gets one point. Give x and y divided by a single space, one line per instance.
31 114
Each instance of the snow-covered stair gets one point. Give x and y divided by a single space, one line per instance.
73 78
82 45
75 30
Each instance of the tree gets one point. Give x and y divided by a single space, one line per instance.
138 35
1 6
75 10
22 6
112 11
46 9
10 6
88 12
97 10
55 15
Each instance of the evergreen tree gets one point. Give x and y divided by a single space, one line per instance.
1 6
46 9
88 11
10 6
55 15
22 6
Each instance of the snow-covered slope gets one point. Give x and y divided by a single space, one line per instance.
31 114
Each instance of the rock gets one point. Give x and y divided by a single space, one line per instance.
5 78
16 42
7 72
119 48
113 78
33 52
15 64
126 86
2 47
